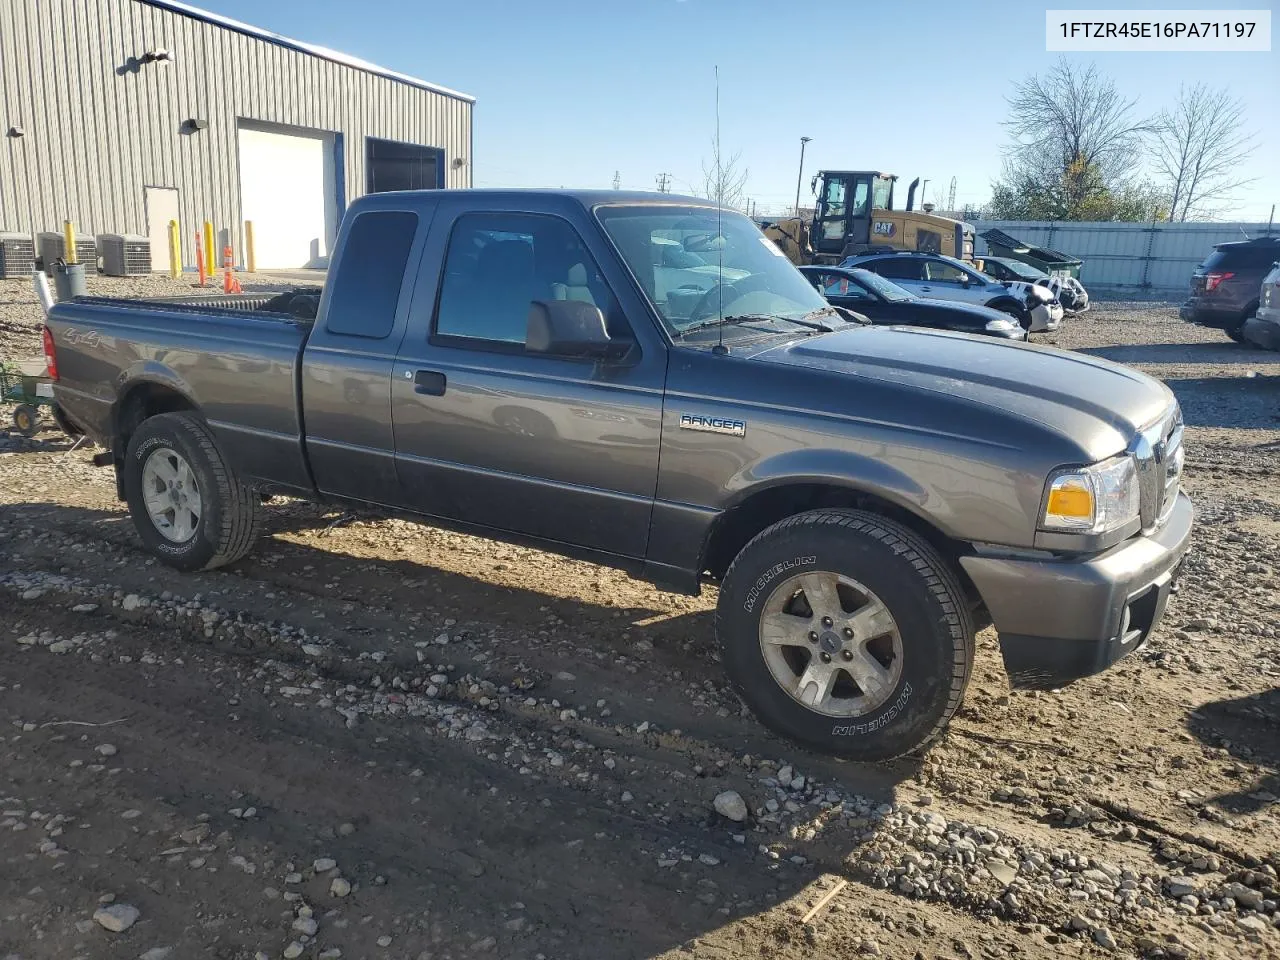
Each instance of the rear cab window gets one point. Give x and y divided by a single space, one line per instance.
366 285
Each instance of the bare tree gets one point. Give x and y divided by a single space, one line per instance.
724 180
1072 117
1199 146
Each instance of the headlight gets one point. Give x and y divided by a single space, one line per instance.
999 326
1096 499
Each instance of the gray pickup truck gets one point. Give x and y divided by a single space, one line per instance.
646 382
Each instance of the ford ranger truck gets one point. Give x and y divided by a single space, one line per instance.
538 367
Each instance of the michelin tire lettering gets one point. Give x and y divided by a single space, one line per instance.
770 575
879 723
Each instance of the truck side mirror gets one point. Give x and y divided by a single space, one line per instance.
571 328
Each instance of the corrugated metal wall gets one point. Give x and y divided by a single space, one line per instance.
99 126
1127 256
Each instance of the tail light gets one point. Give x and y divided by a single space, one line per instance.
50 354
1211 280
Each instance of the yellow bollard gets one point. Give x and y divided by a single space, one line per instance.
209 258
175 250
69 235
250 260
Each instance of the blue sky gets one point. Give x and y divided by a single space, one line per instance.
571 90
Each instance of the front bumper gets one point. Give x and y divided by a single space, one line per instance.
1045 317
1264 329
1060 620
1196 311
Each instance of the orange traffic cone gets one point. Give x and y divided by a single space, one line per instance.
229 282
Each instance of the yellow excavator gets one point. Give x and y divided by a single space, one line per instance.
854 214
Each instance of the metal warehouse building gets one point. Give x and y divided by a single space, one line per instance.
122 115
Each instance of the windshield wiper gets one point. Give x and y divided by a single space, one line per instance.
756 318
827 311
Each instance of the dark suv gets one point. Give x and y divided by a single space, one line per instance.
1224 289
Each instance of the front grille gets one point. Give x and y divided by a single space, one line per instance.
1173 458
1160 456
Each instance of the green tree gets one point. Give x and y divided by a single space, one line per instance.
1075 144
1079 192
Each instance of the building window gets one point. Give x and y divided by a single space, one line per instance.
402 166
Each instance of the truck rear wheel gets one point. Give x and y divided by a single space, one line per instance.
190 509
848 632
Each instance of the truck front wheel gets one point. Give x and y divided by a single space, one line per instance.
190 509
846 631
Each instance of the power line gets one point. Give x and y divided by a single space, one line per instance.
664 182
617 180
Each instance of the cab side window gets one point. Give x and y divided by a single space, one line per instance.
366 285
836 285
497 264
898 268
942 272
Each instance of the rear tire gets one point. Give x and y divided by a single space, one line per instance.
229 511
924 648
1236 333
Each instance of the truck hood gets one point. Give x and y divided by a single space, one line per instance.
1098 406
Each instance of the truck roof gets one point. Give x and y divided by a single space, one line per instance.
587 198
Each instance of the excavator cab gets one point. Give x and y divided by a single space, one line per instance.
842 220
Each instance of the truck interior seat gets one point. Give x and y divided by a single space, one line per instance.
575 287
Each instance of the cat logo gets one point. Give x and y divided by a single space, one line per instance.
884 228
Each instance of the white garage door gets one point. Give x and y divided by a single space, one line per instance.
287 191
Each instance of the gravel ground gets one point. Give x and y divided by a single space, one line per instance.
377 739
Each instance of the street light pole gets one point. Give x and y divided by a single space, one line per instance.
800 175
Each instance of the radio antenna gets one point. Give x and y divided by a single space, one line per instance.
720 348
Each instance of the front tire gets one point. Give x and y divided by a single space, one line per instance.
847 632
188 506
1015 310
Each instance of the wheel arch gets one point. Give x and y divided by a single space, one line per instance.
144 397
767 503
1005 300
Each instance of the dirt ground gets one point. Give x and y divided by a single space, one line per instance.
377 739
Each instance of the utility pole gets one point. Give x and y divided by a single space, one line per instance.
800 175
617 180
664 182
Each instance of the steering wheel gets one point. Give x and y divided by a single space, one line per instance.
711 300
732 289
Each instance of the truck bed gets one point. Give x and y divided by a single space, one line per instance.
227 357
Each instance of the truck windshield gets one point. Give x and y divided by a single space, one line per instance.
693 271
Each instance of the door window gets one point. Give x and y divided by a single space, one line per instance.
497 264
838 285
943 272
861 196
366 287
833 199
883 188
898 268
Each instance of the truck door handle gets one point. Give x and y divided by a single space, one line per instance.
429 382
